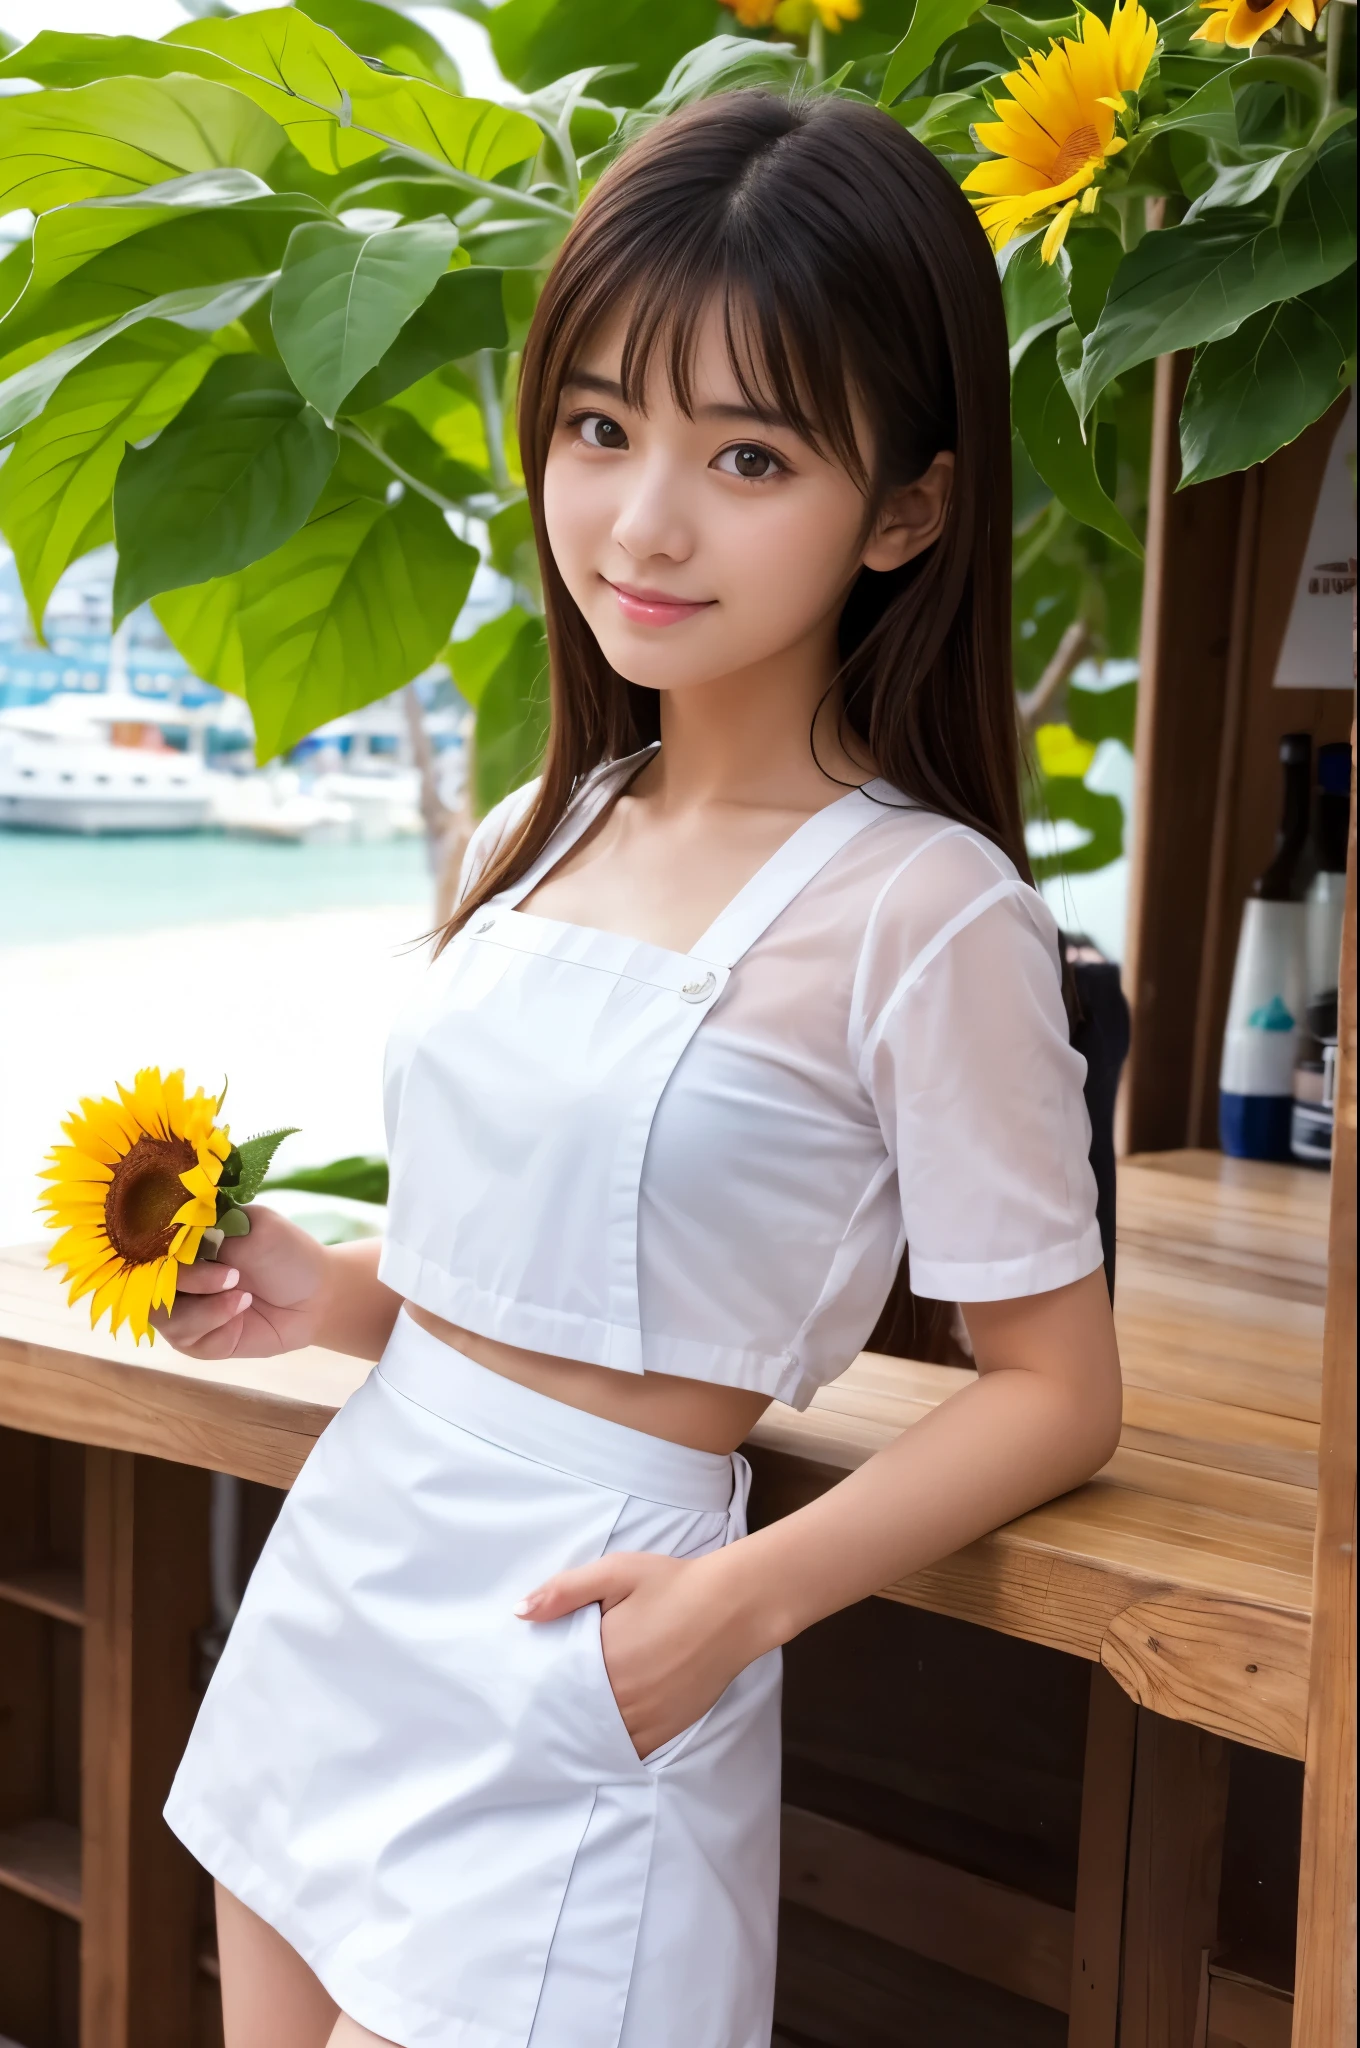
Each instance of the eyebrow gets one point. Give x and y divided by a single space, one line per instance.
609 387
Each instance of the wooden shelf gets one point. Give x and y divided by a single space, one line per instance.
41 1859
55 1589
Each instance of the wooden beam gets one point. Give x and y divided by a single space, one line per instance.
1180 1802
951 1916
1102 1865
1325 1995
106 1750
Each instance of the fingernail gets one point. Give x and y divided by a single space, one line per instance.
526 1606
230 1279
242 1302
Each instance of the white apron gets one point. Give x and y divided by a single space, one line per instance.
437 1804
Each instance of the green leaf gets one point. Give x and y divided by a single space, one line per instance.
462 314
537 41
511 534
383 33
95 262
232 479
1094 254
445 404
1096 715
473 661
722 64
343 297
1257 390
202 309
933 22
360 1178
122 134
353 606
1034 293
1102 816
416 455
56 487
512 718
1188 285
337 109
245 1167
1046 421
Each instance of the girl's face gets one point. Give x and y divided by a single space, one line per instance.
709 546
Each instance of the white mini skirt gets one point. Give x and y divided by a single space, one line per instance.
437 1804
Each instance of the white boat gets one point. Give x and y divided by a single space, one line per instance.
88 764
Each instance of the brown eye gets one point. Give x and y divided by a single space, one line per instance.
749 461
599 431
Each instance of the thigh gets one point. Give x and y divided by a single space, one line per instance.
270 1999
349 2034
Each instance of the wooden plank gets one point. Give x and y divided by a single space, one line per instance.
1180 1799
1325 1995
106 1762
40 1859
1102 1865
1157 1652
1243 2015
969 1923
1187 586
55 1589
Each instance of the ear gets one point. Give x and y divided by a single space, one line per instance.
912 518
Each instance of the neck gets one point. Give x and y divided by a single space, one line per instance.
748 737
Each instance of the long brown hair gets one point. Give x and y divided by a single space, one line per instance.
846 260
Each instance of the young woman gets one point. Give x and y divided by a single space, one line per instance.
750 991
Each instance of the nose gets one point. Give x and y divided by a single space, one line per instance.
652 518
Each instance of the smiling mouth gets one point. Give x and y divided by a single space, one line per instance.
656 607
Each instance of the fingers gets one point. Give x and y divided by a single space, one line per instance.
566 1591
194 1317
205 1279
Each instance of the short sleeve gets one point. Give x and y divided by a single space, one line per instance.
491 834
978 1092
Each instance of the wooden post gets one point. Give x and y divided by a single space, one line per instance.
146 1566
1325 1995
1102 1864
1180 1804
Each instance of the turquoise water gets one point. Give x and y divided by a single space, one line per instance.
61 886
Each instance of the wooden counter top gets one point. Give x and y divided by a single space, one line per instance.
1185 1567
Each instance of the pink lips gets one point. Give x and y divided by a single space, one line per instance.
655 607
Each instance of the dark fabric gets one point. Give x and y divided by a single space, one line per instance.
1100 1033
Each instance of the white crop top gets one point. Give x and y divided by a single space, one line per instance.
708 1163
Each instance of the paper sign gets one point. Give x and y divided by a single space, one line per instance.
1317 646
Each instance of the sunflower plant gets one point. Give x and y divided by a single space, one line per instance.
147 1181
264 332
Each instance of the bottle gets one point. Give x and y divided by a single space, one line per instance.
1315 1073
1261 1042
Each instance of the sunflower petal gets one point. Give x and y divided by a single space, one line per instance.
1057 232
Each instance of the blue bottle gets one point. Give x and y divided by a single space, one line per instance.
1265 1009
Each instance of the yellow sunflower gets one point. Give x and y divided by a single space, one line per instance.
1240 23
1058 128
132 1194
795 17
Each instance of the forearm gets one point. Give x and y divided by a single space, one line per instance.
994 1450
356 1311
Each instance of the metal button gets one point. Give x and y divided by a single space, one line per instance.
699 991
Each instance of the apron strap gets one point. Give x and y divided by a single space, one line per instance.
599 789
787 873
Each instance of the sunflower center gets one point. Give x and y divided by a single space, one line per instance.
1081 145
146 1191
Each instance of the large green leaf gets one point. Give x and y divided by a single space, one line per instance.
537 41
232 479
1257 390
1034 294
462 314
353 606
512 718
1047 422
98 261
338 109
932 23
722 64
475 660
381 32
360 1178
202 309
1093 812
416 457
343 297
122 134
1184 286
56 487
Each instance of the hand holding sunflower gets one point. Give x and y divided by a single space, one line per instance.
140 1184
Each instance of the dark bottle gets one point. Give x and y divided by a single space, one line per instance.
1291 865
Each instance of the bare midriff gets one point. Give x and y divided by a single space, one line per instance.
692 1412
